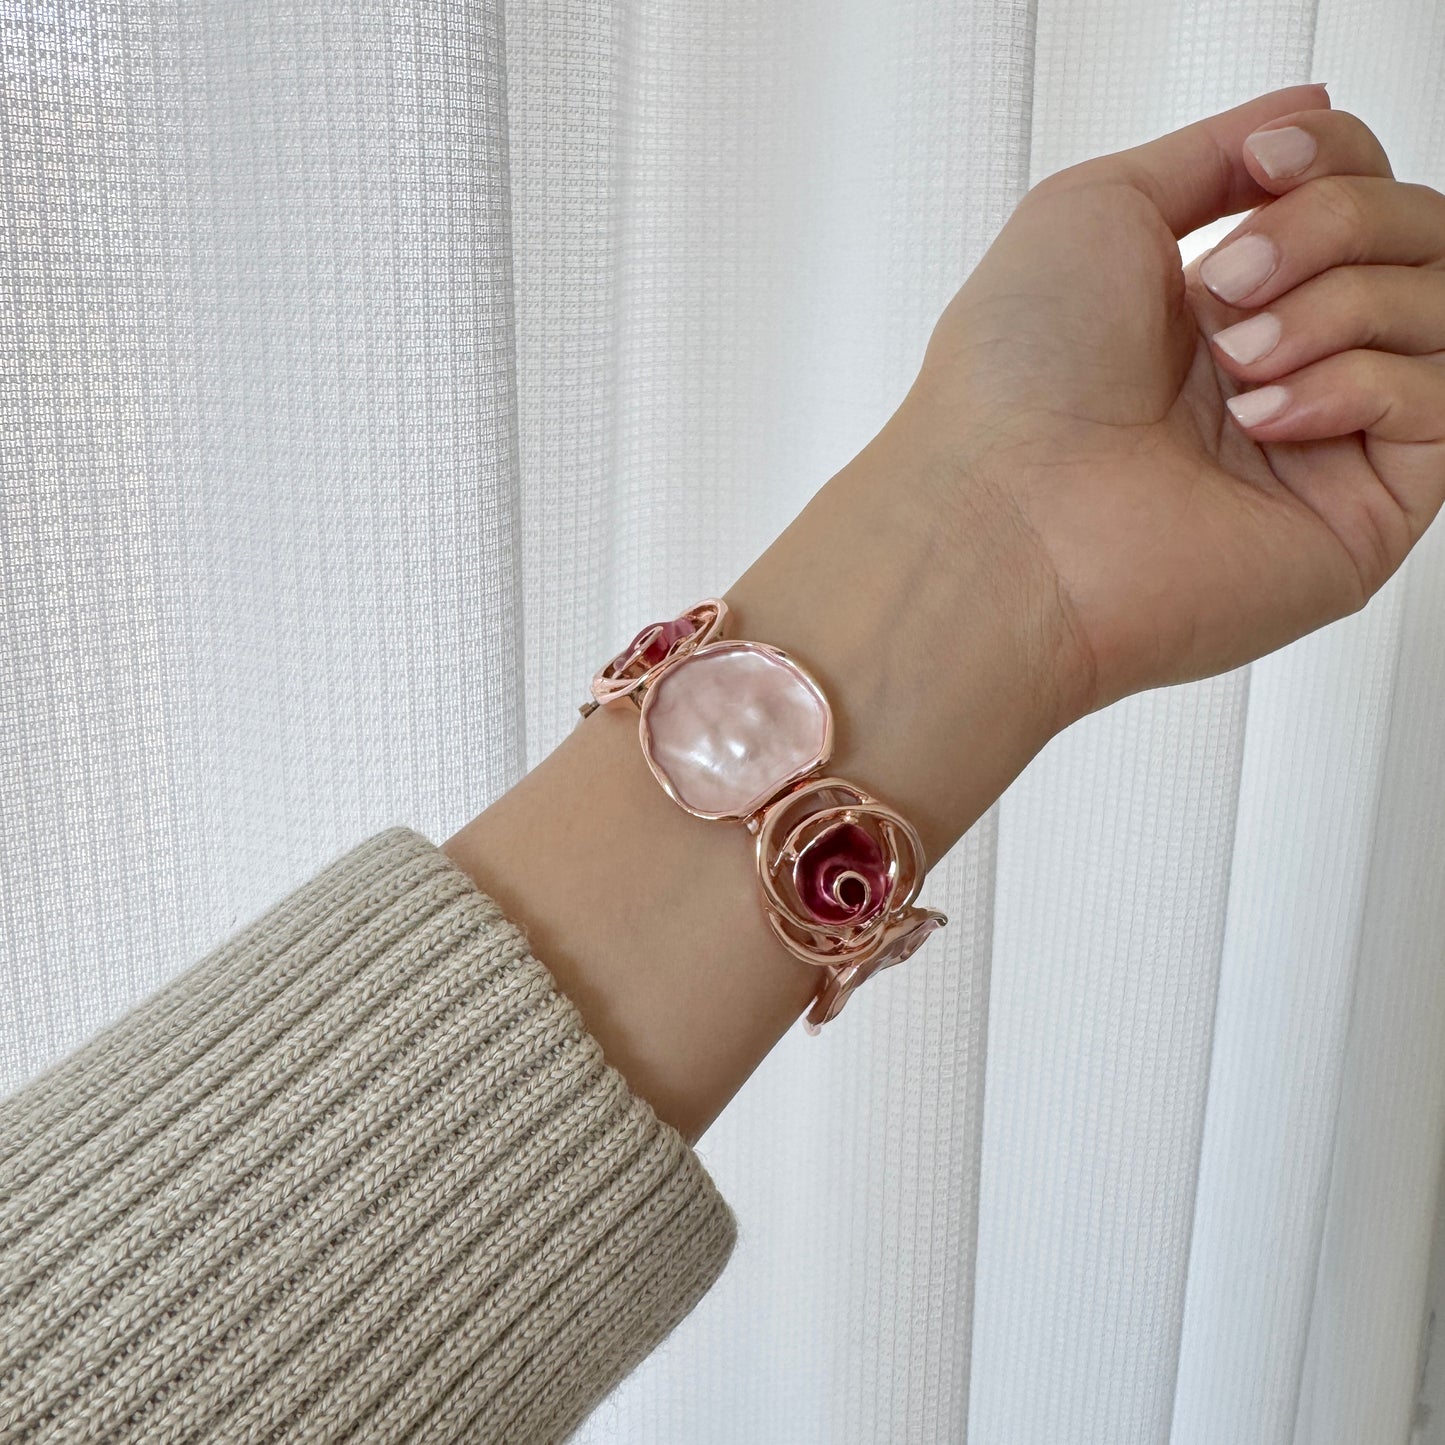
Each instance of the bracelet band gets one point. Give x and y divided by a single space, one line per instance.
739 731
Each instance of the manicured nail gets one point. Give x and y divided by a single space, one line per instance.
1250 408
1238 268
1249 339
1283 152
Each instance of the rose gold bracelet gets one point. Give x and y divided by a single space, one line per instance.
738 730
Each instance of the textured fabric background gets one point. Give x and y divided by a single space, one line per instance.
369 370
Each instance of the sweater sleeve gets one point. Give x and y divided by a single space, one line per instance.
360 1172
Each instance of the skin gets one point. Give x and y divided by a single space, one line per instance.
1063 511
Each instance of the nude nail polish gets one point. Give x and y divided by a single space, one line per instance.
1250 408
1248 340
1235 270
1283 152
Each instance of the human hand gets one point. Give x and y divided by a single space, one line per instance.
1074 380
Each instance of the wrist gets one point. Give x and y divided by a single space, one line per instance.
924 630
921 605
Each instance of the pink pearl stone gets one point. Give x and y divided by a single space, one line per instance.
729 725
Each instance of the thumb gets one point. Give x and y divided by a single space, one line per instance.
1196 174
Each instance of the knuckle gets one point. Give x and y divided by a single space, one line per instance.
1348 294
1428 197
1368 372
1361 142
1062 180
1340 199
1348 120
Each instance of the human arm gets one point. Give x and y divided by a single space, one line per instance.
1059 514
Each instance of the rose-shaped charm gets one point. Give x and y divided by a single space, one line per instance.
657 645
839 872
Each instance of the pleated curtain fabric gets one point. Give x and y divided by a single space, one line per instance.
368 370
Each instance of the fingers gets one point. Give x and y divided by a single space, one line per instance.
1399 403
1331 221
1394 398
1297 148
1382 308
1348 268
1198 173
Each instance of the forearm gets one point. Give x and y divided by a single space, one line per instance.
647 916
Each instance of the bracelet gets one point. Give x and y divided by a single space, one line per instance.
739 731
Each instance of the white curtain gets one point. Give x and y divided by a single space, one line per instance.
368 370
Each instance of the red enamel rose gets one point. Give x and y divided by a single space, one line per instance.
653 643
842 876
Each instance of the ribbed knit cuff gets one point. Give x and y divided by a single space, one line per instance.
361 1169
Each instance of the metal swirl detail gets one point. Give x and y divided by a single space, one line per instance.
838 872
658 645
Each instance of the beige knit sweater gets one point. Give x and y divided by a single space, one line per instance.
361 1173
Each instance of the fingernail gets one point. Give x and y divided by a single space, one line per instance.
1250 408
1249 339
1238 268
1283 152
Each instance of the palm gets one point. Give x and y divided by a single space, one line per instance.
1182 547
